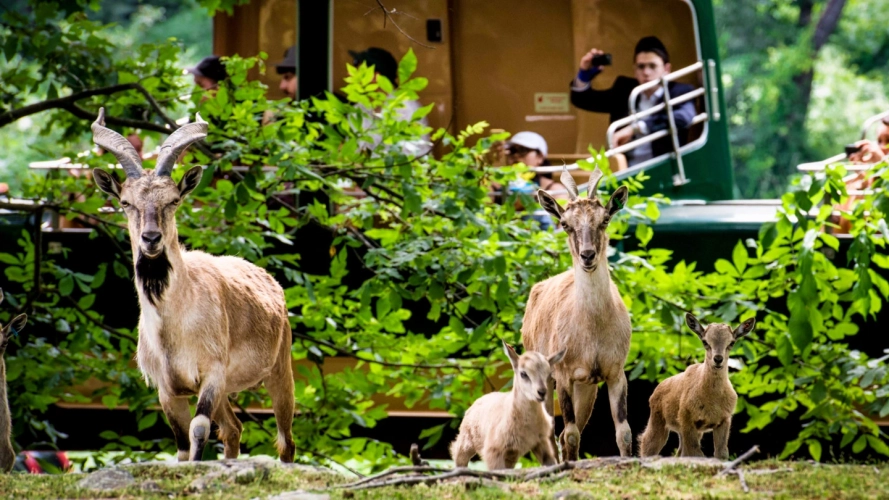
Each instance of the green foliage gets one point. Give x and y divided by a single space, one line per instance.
414 232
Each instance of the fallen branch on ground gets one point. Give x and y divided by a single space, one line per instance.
736 462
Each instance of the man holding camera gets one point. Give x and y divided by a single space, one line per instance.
652 62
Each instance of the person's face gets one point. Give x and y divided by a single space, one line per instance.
204 82
521 154
883 137
289 85
649 66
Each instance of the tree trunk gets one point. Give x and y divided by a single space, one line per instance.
800 94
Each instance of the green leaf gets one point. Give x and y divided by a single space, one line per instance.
814 449
434 435
725 267
878 445
644 234
66 285
407 66
860 444
785 349
148 420
87 301
456 326
231 209
739 257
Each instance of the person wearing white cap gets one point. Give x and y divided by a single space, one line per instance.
530 148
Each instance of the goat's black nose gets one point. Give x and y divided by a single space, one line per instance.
541 392
151 237
718 359
588 255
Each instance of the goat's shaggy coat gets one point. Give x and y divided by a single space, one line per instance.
7 453
210 326
701 399
502 427
581 311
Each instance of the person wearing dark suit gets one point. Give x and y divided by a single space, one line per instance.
652 61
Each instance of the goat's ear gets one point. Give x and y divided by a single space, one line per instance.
694 324
745 328
512 355
618 200
14 327
557 357
190 180
107 182
550 204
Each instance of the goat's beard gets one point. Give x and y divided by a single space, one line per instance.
153 274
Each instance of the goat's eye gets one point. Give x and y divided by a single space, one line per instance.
606 222
524 375
175 202
124 203
731 344
706 345
566 227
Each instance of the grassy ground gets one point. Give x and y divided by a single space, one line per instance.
805 480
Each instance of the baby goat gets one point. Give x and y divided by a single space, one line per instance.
501 427
210 325
699 400
7 453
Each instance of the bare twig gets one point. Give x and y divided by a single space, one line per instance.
761 472
388 16
736 462
740 474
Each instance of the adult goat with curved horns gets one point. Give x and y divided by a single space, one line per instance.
582 312
210 325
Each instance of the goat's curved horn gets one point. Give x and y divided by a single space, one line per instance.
593 184
117 145
568 181
177 142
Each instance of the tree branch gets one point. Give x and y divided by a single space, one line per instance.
61 102
351 354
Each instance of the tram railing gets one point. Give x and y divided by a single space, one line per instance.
710 91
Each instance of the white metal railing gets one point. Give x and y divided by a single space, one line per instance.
712 113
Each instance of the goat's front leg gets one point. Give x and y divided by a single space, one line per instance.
549 406
690 440
720 439
545 452
570 437
617 396
176 410
211 395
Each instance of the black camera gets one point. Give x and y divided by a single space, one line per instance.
852 149
601 60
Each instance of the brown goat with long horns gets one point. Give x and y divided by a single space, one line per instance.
210 326
582 312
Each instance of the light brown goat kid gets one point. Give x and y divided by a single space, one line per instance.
210 326
582 312
700 399
502 427
7 453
